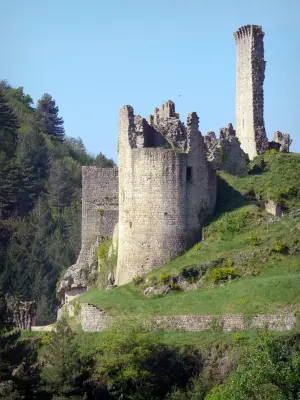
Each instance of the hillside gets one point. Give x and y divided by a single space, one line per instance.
248 262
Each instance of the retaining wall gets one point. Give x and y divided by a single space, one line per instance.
93 319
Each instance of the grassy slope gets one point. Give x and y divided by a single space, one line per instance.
269 282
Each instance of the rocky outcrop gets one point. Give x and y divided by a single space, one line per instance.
77 276
80 275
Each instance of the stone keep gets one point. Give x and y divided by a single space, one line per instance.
250 75
166 189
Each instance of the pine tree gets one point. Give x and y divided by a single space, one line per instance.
8 128
61 360
8 144
48 120
32 163
103 162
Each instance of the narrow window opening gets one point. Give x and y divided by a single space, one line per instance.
130 224
189 174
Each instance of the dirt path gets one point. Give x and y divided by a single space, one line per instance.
44 328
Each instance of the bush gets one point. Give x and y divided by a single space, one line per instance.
137 279
135 364
217 275
238 338
253 239
280 247
197 247
165 277
107 262
77 308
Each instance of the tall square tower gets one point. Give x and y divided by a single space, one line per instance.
250 75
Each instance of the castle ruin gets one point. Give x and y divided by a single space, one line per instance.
155 204
166 189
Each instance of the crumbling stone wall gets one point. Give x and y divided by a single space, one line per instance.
201 185
99 202
99 216
163 192
283 141
92 319
250 75
273 208
226 153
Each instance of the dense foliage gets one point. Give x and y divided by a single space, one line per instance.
131 362
40 194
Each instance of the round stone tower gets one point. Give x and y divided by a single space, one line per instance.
166 187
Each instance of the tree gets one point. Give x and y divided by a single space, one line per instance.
133 361
270 372
64 183
103 162
8 128
32 163
8 143
61 361
48 120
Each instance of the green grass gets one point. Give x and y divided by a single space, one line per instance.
277 180
29 334
269 282
263 294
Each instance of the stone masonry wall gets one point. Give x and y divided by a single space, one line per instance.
99 217
99 204
250 74
93 319
163 192
152 211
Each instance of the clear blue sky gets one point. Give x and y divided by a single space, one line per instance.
94 56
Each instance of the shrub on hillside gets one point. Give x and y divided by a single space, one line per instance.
253 239
280 247
165 277
107 262
137 279
218 275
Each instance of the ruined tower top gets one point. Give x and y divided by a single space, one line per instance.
248 30
250 75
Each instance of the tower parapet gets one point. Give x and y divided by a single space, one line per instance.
250 75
